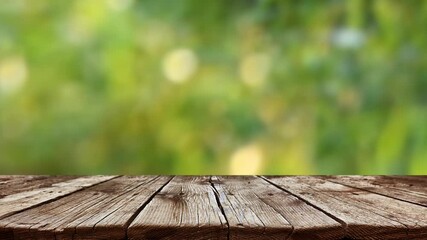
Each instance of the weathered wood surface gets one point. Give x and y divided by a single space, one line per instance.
213 207
23 200
185 209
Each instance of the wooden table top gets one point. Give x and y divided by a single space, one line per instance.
213 207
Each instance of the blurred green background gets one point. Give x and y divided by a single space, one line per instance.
213 87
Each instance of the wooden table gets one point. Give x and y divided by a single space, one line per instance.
213 207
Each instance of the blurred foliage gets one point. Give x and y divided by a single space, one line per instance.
213 87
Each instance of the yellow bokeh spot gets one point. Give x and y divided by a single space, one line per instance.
254 68
247 160
13 74
179 65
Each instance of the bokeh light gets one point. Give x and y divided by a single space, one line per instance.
254 69
13 74
247 160
179 65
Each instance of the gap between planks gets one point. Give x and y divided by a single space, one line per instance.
343 223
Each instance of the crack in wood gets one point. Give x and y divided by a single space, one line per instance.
212 182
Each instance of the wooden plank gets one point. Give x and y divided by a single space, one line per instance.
407 183
17 202
185 209
407 189
411 215
255 209
364 217
248 216
22 183
111 205
121 212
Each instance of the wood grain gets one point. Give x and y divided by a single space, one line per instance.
256 209
23 200
185 209
366 215
22 183
408 189
77 216
213 207
111 219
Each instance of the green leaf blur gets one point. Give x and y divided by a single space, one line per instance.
213 87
